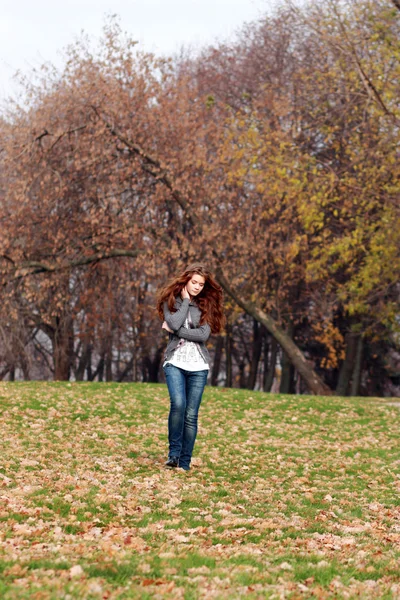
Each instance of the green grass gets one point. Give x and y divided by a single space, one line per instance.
288 496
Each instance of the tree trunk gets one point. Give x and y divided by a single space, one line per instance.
287 376
151 367
109 375
219 346
356 379
156 364
63 348
4 372
269 373
242 377
89 365
346 369
25 368
228 356
99 372
265 353
83 361
135 364
314 382
255 355
126 370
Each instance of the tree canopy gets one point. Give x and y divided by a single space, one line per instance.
274 158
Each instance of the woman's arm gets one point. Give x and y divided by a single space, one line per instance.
198 334
176 320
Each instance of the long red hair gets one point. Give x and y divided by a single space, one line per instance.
209 300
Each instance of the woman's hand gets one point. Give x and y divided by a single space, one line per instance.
185 294
166 327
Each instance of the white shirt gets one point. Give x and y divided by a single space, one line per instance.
187 356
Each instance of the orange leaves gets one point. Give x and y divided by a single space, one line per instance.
331 337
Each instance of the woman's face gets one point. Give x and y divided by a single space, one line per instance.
195 284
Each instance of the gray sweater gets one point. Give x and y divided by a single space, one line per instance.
175 321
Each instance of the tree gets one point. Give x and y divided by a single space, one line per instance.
253 168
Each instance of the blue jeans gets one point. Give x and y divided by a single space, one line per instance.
185 392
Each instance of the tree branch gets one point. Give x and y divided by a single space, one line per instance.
31 267
153 166
315 383
366 81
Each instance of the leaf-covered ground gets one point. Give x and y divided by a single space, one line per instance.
288 497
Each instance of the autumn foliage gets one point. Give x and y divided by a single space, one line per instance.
273 159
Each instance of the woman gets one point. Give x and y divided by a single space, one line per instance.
190 308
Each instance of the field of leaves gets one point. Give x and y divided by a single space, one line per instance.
288 497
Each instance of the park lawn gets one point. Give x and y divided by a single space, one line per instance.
288 496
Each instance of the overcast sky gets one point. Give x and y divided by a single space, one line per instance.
35 31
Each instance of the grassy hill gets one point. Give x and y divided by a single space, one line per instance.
288 496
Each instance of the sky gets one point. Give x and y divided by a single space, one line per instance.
36 31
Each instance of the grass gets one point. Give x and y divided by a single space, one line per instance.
288 496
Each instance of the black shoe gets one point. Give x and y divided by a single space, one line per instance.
172 462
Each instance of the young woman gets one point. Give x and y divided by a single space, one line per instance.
190 308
